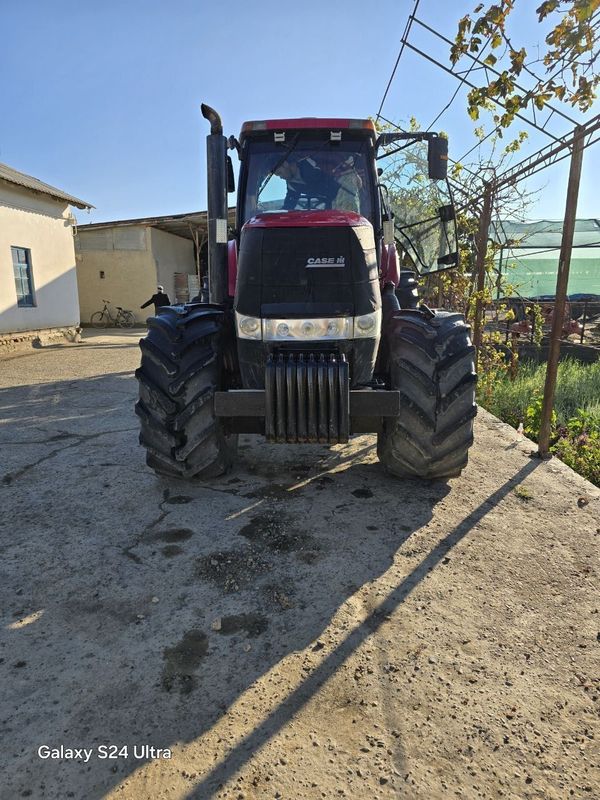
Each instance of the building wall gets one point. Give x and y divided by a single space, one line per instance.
134 260
39 223
114 264
171 254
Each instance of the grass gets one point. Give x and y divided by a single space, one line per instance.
577 387
576 417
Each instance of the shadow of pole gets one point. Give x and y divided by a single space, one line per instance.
244 751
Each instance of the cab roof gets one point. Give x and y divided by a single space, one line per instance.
307 123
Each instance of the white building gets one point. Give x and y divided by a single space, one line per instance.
38 280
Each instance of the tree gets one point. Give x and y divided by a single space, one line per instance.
569 59
416 200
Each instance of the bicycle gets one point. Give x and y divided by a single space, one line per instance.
102 319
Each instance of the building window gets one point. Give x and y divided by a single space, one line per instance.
102 273
21 258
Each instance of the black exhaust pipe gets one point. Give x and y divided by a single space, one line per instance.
216 171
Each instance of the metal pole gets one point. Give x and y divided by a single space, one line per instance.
585 306
482 240
499 279
562 281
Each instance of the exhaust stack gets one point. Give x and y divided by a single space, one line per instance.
216 166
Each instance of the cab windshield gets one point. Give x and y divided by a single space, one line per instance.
308 175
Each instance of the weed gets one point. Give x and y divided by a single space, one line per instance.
523 493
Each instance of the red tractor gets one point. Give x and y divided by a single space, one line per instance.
311 331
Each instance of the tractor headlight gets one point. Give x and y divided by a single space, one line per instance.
367 326
307 330
248 327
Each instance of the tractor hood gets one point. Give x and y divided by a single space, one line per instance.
317 263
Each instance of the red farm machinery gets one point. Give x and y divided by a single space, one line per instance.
311 330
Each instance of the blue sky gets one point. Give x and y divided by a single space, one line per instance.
102 99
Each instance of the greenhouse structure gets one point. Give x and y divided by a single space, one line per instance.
529 253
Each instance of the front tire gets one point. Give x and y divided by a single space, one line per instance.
432 365
182 367
99 319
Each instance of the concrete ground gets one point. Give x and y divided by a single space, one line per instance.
304 627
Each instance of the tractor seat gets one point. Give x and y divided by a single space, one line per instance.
119 308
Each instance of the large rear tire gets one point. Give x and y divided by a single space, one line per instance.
432 365
182 367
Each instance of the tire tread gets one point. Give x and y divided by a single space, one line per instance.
177 379
432 366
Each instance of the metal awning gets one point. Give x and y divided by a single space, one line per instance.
188 226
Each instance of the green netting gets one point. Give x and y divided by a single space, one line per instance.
537 276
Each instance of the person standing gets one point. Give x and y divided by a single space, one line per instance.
159 299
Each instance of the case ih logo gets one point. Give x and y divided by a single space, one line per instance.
340 261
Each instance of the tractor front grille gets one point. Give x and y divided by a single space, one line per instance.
307 398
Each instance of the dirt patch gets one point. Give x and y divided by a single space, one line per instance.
273 534
128 554
171 550
272 531
182 661
232 570
174 535
252 624
308 556
364 493
279 597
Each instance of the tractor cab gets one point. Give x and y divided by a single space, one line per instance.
306 261
307 165
313 164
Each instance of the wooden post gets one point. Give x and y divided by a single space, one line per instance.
562 282
482 240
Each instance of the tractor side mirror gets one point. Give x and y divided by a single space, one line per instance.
437 158
437 149
230 176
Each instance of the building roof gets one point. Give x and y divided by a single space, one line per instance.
178 224
28 182
545 233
